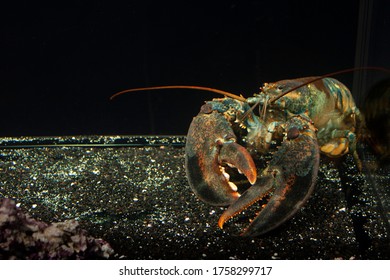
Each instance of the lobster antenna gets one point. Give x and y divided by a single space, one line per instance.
231 95
328 75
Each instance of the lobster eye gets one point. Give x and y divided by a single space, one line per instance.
292 133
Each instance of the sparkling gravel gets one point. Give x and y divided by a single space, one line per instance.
133 193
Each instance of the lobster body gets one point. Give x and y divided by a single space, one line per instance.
327 103
316 117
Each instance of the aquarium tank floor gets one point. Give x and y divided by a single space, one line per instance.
132 192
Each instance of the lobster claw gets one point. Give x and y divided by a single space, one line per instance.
210 145
288 180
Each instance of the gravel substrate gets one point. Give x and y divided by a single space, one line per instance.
133 193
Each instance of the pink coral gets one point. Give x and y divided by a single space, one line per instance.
22 237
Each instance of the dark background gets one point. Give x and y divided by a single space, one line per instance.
61 63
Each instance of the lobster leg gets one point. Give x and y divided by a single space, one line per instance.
289 180
211 144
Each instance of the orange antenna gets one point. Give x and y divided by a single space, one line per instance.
231 95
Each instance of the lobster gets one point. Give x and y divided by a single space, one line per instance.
297 120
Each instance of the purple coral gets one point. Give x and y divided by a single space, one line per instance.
22 237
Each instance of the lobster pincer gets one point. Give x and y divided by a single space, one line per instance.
288 181
211 144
